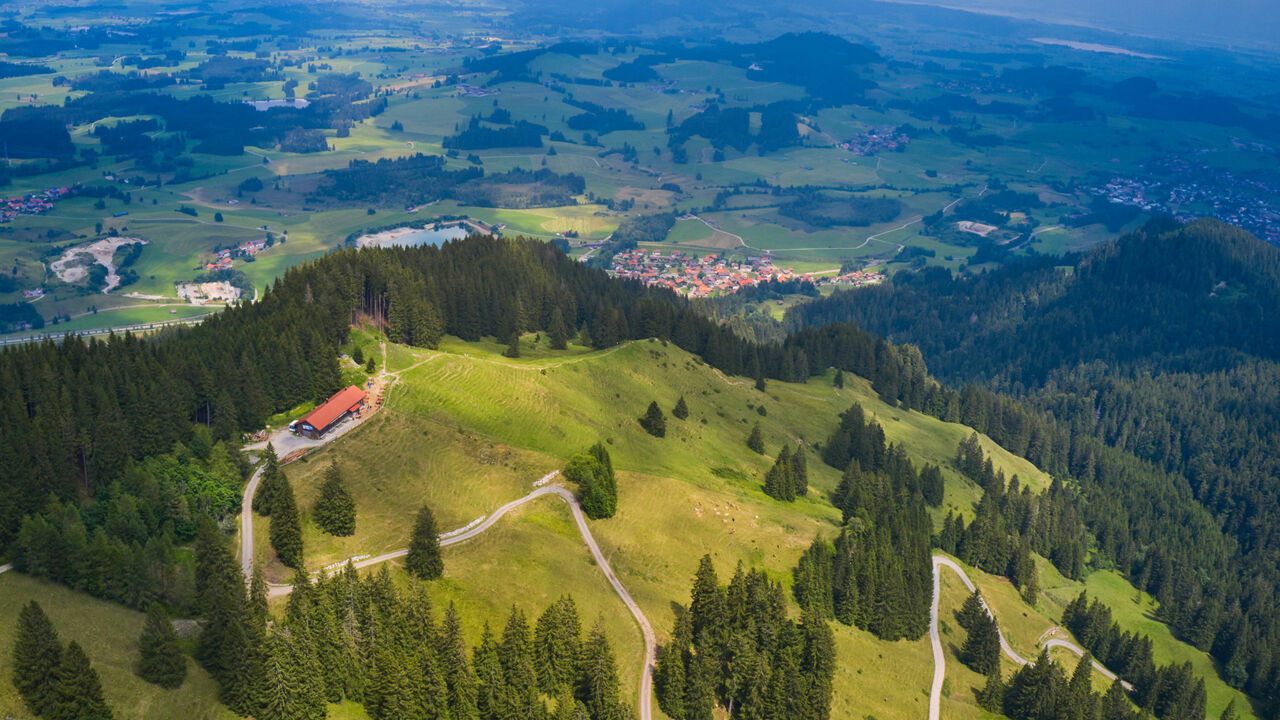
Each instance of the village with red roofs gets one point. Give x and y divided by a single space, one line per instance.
31 203
713 275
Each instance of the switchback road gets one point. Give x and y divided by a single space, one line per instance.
939 658
645 700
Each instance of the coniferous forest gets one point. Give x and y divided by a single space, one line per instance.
100 487
1162 414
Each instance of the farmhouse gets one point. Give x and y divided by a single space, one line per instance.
331 412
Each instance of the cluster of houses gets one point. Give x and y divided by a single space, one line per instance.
475 91
873 141
713 275
222 258
31 203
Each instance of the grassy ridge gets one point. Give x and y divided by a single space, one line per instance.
466 430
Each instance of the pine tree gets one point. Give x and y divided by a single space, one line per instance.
277 685
597 490
669 672
1115 703
424 560
335 510
1083 703
490 681
839 381
515 651
800 471
599 687
513 345
37 654
77 691
557 644
654 422
991 696
755 440
981 649
1229 713
681 410
162 662
779 482
268 483
971 611
558 331
460 682
707 602
285 532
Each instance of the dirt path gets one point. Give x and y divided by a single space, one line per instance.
645 700
246 523
939 658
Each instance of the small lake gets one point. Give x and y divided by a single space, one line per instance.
413 237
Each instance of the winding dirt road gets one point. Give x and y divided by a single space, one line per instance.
645 700
939 658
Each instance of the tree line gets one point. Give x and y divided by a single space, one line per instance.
82 413
877 575
1163 414
362 639
734 648
1166 691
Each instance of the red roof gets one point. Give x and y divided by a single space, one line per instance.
343 401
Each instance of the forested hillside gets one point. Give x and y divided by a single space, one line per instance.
1162 345
142 424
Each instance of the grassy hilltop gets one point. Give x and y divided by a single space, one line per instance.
466 430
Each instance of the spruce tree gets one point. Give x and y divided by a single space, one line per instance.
839 381
991 696
800 471
490 681
37 654
557 643
681 410
755 440
424 560
779 482
162 663
268 483
277 685
597 491
513 345
460 682
1115 703
669 681
599 687
1083 703
981 649
335 511
515 651
286 528
971 611
653 421
558 331
707 601
77 690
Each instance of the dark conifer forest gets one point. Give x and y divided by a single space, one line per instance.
114 450
1144 372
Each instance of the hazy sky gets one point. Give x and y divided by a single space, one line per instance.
1248 22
